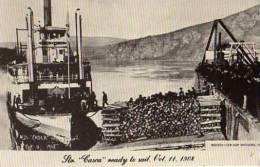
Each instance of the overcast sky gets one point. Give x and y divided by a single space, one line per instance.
121 18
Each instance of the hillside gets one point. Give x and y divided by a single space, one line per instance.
87 42
187 43
9 45
98 41
184 44
93 47
97 47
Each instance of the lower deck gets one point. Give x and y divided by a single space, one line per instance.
173 143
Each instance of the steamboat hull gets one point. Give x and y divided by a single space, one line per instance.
33 132
28 134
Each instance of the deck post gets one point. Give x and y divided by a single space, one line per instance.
236 126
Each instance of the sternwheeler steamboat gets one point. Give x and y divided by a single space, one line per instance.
49 86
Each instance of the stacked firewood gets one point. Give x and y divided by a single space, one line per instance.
160 116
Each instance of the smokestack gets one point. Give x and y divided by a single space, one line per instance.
80 48
79 42
30 52
47 13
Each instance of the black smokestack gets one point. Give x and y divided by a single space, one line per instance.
47 13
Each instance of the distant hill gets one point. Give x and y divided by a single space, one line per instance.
87 42
97 47
184 44
93 47
187 43
9 45
99 41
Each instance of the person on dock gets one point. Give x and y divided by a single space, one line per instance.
93 99
181 93
104 99
130 102
194 92
18 101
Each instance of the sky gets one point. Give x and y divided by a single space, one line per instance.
128 19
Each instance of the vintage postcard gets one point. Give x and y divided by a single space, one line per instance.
129 82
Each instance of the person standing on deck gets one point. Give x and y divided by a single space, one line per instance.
104 99
18 101
84 101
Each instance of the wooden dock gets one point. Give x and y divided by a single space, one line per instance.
171 143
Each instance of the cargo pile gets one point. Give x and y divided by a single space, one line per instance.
160 116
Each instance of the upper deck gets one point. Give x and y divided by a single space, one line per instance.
48 56
49 73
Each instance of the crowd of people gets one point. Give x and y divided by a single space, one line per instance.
56 103
235 80
59 72
161 115
56 73
84 101
60 103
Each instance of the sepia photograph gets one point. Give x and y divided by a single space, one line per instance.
128 75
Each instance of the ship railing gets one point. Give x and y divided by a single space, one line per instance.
52 41
24 79
21 79
47 73
50 78
17 69
57 78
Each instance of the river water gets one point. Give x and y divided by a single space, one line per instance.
120 80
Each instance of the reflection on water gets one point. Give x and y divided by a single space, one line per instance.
120 80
